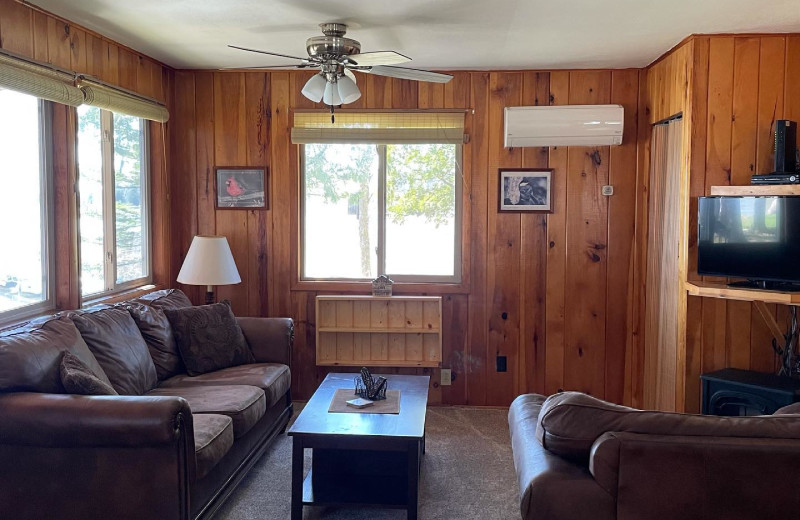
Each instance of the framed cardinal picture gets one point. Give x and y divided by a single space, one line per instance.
241 188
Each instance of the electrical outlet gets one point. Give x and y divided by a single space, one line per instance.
502 364
607 190
446 377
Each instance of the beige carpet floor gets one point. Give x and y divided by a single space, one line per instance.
467 473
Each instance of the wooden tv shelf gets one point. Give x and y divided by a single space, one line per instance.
721 290
755 191
389 331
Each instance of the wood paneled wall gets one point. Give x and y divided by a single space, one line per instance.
743 84
553 293
34 34
730 89
666 92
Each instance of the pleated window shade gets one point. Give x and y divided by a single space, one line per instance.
394 127
39 81
99 95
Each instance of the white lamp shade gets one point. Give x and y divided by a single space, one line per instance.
331 95
209 262
315 88
348 90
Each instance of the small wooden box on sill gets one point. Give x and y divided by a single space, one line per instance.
391 331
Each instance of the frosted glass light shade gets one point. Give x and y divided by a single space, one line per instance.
348 91
315 88
209 262
331 96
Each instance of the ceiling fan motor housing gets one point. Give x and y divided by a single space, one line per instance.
333 44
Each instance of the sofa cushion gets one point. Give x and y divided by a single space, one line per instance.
273 378
79 379
30 355
157 334
245 405
570 422
213 438
209 338
116 342
165 299
793 408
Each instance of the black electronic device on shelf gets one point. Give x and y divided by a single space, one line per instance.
756 238
785 165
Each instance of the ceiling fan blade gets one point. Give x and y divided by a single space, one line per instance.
349 74
301 66
372 59
270 53
412 74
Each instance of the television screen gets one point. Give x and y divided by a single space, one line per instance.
757 238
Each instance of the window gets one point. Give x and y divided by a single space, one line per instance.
25 232
370 209
114 210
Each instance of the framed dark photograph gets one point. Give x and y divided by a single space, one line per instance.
241 188
525 189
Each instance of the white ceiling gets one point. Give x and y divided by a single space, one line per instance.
437 34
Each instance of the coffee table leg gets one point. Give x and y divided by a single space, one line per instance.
297 478
414 449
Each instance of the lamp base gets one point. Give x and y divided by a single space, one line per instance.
210 295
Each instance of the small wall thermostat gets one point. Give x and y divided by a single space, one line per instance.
607 190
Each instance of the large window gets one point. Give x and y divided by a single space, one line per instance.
372 209
114 210
25 227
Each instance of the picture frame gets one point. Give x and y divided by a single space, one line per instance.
525 190
240 187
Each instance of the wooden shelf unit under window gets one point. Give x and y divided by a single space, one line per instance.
390 331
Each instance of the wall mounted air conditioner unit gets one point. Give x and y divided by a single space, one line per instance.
566 125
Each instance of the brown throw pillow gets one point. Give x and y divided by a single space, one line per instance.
115 340
209 338
157 333
79 379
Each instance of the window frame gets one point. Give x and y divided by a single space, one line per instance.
46 209
110 214
458 244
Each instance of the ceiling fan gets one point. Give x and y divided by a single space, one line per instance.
337 57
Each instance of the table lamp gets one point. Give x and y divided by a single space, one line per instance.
209 262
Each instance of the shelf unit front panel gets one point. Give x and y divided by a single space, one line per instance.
402 331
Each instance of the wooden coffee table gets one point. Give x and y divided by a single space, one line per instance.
370 460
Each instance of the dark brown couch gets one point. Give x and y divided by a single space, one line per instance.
578 458
174 447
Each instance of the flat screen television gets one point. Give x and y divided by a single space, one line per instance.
756 238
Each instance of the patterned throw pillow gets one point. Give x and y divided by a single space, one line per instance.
209 338
78 378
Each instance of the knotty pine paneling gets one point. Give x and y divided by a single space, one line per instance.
40 36
752 81
733 88
533 290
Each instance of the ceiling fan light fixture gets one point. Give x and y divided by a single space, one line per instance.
315 88
331 96
348 90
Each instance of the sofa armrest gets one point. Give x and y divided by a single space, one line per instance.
81 456
270 339
662 477
58 420
550 486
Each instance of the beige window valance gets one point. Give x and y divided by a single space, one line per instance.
39 81
62 86
104 96
379 127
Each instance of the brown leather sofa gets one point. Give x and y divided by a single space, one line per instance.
578 457
173 448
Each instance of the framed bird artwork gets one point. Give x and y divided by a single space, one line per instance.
241 188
